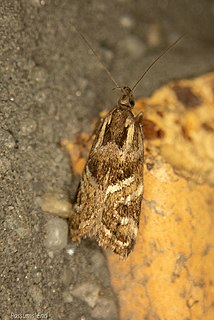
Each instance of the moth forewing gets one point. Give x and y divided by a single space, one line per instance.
109 197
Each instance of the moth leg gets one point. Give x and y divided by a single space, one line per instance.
139 118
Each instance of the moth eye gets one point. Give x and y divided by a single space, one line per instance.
132 103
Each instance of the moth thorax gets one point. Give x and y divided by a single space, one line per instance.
127 99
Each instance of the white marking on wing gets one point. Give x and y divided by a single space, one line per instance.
120 185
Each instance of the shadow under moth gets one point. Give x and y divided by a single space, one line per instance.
108 202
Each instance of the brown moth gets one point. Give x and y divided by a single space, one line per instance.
108 201
109 198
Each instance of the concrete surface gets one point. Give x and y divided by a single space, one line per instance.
52 87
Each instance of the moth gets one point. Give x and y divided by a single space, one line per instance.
108 201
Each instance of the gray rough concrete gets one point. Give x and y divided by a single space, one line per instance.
52 87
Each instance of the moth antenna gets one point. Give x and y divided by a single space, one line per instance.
98 58
161 55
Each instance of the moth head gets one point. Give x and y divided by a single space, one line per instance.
127 98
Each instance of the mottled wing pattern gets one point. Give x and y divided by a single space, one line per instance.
109 198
